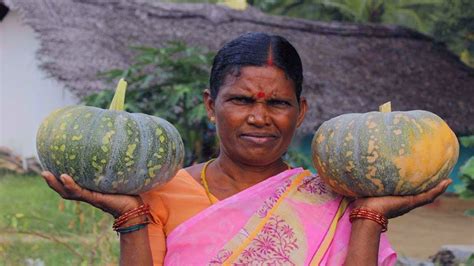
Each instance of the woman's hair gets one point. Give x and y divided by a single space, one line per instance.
256 49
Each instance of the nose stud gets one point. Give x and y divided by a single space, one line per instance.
251 119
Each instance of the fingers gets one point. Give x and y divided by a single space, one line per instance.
72 189
53 183
430 195
66 187
394 206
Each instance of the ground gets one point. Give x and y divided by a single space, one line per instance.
421 232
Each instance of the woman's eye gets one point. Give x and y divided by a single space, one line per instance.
278 103
242 100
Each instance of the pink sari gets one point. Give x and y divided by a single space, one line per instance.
289 219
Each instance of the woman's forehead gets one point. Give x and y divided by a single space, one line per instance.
255 78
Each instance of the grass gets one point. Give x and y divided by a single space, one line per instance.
36 223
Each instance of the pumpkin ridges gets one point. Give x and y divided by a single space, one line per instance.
83 133
113 152
58 139
155 153
117 151
70 143
145 149
45 131
88 177
428 154
393 134
138 150
93 129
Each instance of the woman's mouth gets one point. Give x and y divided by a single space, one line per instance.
258 138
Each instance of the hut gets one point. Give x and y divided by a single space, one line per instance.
348 67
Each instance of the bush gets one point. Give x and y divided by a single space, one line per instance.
466 172
168 82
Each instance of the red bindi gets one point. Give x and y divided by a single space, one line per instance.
260 94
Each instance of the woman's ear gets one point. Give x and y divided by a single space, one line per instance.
209 104
303 108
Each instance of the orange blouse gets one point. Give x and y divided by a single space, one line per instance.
172 204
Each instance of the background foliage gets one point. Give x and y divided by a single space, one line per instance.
466 189
447 21
168 82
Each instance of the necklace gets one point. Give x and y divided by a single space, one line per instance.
204 181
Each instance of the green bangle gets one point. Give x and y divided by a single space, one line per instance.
130 229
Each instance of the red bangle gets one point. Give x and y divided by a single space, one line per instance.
377 217
139 211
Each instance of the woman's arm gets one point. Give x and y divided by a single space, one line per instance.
364 243
134 246
365 234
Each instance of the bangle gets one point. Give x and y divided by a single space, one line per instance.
139 211
131 228
370 215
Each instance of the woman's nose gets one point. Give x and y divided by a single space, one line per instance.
259 116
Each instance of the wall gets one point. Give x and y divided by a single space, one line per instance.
27 95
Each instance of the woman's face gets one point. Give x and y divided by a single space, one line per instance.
256 114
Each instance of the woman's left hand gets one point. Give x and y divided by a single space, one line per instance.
393 206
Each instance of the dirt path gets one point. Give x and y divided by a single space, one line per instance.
420 233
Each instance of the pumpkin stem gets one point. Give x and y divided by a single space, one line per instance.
118 102
386 107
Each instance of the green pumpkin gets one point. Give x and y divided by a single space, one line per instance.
110 151
384 153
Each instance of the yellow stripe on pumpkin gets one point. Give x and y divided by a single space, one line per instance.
427 155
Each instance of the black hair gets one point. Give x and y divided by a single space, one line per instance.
256 49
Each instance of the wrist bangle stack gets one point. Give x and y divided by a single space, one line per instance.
131 228
377 217
127 216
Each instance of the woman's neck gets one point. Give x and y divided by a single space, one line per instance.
228 174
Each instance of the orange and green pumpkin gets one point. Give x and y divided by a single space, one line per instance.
384 153
110 151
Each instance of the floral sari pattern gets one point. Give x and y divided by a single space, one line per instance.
273 245
292 218
313 185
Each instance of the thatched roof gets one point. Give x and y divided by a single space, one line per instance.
348 67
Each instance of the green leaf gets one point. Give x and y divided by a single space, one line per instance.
468 168
470 261
469 212
467 141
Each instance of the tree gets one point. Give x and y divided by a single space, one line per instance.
450 21
454 25
416 14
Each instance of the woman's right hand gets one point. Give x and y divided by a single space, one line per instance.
67 188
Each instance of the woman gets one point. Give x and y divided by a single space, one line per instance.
248 206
